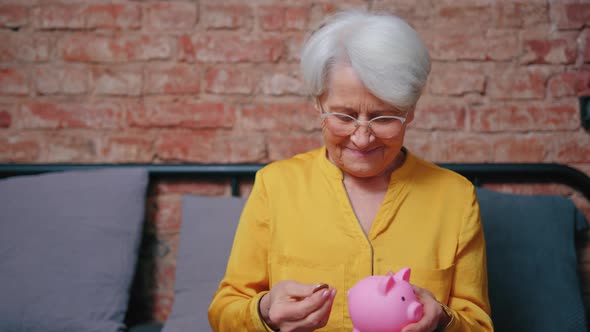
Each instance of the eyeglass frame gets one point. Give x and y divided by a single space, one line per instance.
357 122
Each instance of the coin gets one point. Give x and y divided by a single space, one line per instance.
320 286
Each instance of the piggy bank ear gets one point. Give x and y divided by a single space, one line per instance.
403 274
386 284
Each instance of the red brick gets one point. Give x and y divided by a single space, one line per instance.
230 48
525 117
456 79
541 48
210 146
6 115
94 48
226 16
456 44
573 148
13 81
437 113
586 43
113 16
502 45
162 306
519 148
127 146
165 213
164 16
280 82
80 16
520 13
231 80
13 16
455 147
283 145
181 115
509 82
320 10
188 185
569 83
24 46
571 14
117 81
423 144
414 12
172 79
19 147
54 115
59 16
280 117
61 79
245 188
294 43
72 146
283 17
470 13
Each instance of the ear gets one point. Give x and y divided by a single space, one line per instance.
386 284
316 104
403 274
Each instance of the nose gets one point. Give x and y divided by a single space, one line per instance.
362 135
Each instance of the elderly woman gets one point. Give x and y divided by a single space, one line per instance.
361 205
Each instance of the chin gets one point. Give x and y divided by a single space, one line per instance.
361 170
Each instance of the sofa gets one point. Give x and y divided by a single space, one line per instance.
70 236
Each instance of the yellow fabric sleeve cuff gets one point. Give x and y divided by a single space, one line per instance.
258 323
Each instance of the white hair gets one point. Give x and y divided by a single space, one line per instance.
386 54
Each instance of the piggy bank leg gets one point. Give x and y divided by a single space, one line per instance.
354 329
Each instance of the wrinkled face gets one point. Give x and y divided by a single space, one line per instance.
360 154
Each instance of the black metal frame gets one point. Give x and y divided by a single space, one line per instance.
477 173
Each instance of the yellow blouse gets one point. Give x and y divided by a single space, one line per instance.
298 224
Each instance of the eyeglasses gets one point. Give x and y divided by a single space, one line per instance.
341 124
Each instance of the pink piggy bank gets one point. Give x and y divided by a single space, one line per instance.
384 303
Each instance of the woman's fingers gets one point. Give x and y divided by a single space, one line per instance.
319 317
299 308
315 319
432 309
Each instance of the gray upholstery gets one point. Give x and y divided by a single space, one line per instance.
152 327
532 265
68 247
207 231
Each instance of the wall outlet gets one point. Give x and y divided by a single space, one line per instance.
585 111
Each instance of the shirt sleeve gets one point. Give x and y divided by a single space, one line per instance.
469 296
235 304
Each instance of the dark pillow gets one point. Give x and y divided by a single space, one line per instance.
532 264
68 248
206 237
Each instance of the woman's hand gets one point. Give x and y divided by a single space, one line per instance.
434 315
292 306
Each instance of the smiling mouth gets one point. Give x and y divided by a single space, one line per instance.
362 153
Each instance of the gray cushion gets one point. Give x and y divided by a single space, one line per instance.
532 265
206 237
68 247
149 327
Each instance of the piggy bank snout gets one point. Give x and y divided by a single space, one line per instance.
415 311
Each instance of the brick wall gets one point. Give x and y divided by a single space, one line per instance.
217 81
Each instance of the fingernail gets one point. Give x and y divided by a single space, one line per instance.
320 286
326 293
